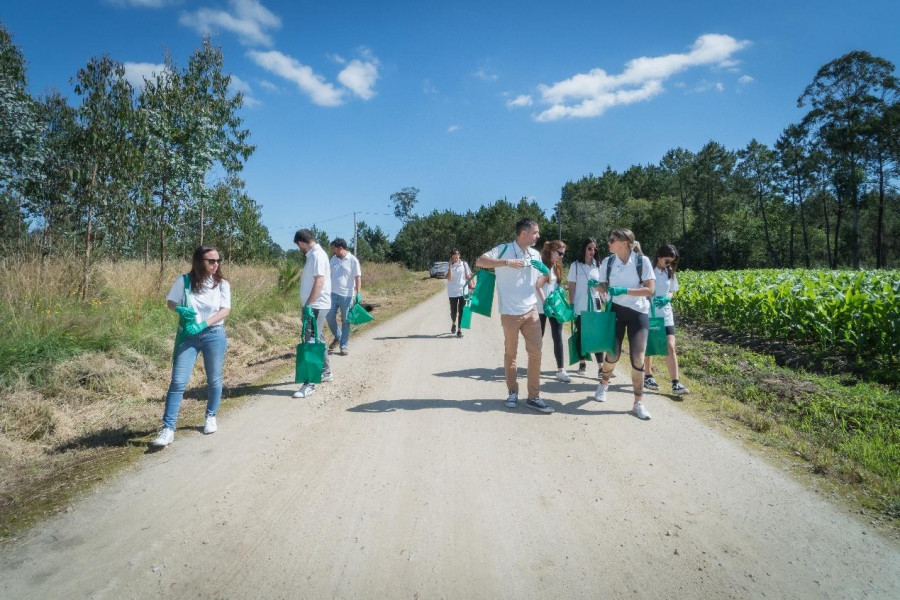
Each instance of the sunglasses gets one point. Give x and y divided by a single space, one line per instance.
213 261
561 252
592 248
612 241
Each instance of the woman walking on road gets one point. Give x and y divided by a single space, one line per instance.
551 255
202 299
457 275
629 279
583 278
666 263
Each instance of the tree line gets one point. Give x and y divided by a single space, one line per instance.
127 173
825 195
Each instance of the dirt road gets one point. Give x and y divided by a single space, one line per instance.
407 477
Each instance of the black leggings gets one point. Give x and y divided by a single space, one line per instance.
638 326
556 333
456 306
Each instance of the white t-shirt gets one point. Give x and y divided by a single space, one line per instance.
459 272
625 275
207 301
547 288
581 273
344 272
316 264
665 287
516 287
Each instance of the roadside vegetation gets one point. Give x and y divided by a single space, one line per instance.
82 384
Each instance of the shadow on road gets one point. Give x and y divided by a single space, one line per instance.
482 405
417 336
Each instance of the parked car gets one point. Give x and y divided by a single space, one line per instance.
439 269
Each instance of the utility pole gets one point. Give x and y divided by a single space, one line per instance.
559 220
355 237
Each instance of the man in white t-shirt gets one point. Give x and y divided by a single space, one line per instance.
315 297
346 282
516 281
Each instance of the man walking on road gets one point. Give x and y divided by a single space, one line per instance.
516 281
346 282
315 298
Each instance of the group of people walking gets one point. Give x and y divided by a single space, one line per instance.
202 300
625 279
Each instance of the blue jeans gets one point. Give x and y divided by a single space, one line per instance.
212 343
343 303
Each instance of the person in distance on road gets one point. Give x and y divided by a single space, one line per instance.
315 298
202 299
551 255
628 278
666 285
457 275
516 281
346 283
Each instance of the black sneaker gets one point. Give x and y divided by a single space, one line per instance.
453 328
679 390
582 369
538 405
459 333
650 383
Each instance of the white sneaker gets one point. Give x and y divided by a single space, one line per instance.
165 437
210 426
327 377
513 400
600 394
640 411
563 376
306 390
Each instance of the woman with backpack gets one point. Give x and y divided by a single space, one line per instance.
628 278
551 255
202 299
666 263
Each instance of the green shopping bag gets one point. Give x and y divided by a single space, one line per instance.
574 356
598 329
465 321
357 315
181 334
482 299
558 307
310 355
656 340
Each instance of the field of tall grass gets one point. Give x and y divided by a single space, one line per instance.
80 378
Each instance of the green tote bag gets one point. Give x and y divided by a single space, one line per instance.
574 357
483 295
656 341
598 329
310 356
358 315
465 321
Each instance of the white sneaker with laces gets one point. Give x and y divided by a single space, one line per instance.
563 376
640 411
327 377
165 437
600 394
512 400
306 390
210 426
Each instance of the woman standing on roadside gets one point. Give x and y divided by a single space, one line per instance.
584 275
202 299
551 255
457 274
629 279
666 262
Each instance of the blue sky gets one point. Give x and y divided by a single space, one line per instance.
349 102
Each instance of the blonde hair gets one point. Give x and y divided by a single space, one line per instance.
626 235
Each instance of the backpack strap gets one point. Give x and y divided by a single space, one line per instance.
638 265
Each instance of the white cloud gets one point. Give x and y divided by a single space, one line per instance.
484 75
453 129
519 101
136 73
745 79
591 94
248 19
429 88
359 76
720 87
239 85
320 91
264 83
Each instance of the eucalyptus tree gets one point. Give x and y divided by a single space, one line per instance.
20 133
885 168
104 148
756 175
404 202
678 165
797 172
847 97
713 167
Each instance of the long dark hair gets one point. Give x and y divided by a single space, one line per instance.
582 251
198 269
551 246
667 251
